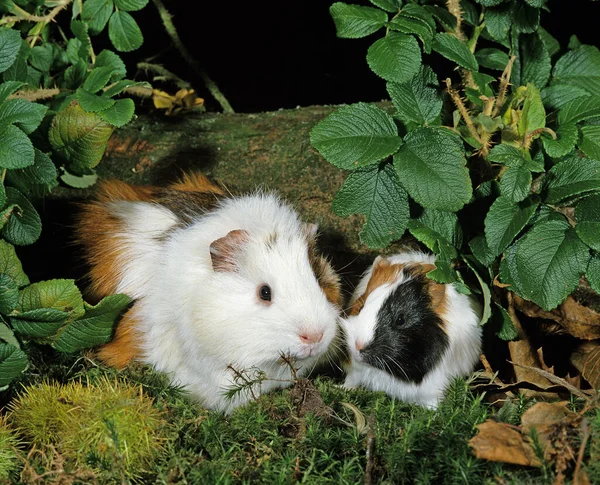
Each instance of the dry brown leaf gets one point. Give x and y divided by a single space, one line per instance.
173 104
586 360
501 442
580 321
543 417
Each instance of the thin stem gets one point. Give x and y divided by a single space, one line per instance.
24 15
504 83
164 73
472 44
208 82
35 95
462 110
453 7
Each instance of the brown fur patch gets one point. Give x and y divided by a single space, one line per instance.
223 251
437 291
328 279
197 182
383 272
126 343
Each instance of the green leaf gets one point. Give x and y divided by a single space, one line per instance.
587 213
579 68
37 179
535 61
131 5
579 109
492 58
13 361
80 31
92 102
39 323
18 70
97 79
95 328
414 19
481 251
505 220
58 294
354 21
547 263
108 58
444 272
120 114
25 114
590 141
16 150
431 166
444 224
79 137
526 19
124 32
79 182
376 193
489 3
356 135
7 334
396 57
9 294
485 291
10 43
7 88
552 45
502 320
498 22
566 137
417 100
41 57
119 86
507 155
6 213
592 273
556 96
391 6
572 177
454 49
75 74
533 116
515 183
96 14
10 264
24 226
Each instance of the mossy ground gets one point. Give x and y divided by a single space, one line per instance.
284 438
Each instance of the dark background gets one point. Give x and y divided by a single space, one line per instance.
266 55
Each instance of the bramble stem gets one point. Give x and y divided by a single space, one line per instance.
453 7
504 83
24 15
462 110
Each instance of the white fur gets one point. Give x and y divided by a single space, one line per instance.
196 322
462 324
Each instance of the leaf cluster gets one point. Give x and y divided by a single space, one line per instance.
498 174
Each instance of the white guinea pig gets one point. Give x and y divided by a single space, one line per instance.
222 284
408 335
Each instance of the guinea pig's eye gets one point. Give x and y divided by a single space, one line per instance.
400 319
264 293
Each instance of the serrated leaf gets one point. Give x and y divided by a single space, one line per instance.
131 5
515 183
79 182
97 79
7 88
10 43
120 86
39 323
376 193
556 96
24 225
587 213
547 263
444 272
579 109
505 220
535 61
95 328
120 114
13 361
552 45
526 19
414 19
396 57
7 334
445 18
417 100
96 14
9 294
431 166
481 251
470 12
41 57
79 137
592 273
566 137
58 294
37 179
108 58
498 22
16 150
11 265
590 141
443 223
533 116
502 320
355 21
454 49
489 3
356 135
75 74
507 155
572 177
80 31
18 71
492 58
25 114
92 102
579 68
391 6
485 291
124 32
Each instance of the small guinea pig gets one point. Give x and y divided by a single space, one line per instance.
408 335
222 284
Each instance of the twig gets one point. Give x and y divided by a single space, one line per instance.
165 73
504 83
585 428
559 381
24 15
208 82
463 110
453 7
35 94
370 450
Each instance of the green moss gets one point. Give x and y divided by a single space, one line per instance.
9 444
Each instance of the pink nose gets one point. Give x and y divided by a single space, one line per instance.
359 345
311 338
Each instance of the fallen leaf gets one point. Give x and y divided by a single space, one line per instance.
361 422
586 359
173 104
502 442
578 320
543 418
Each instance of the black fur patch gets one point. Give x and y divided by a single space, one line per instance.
409 339
186 205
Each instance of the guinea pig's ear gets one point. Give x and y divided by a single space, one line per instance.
310 230
224 251
381 262
437 291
